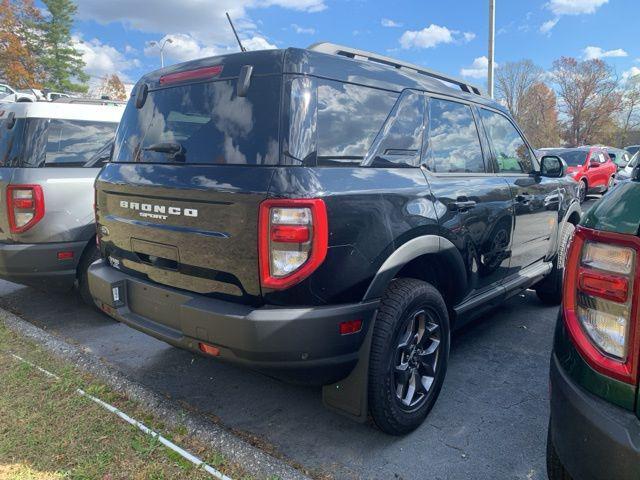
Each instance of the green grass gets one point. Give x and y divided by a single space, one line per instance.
48 431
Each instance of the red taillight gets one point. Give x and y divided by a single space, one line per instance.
603 285
293 237
25 206
65 255
600 301
200 73
209 349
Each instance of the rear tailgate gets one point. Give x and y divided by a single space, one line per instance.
189 227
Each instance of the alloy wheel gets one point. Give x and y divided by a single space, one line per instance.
416 360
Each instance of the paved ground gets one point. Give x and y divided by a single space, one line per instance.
490 421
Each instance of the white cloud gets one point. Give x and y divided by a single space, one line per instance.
102 59
632 72
591 53
200 20
386 22
433 35
478 69
303 30
547 26
574 7
184 47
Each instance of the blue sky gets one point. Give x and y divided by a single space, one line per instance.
450 36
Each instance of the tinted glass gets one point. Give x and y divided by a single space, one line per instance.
208 121
511 152
10 142
74 142
101 157
400 140
349 118
573 158
454 144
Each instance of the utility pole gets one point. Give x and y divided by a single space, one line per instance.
492 43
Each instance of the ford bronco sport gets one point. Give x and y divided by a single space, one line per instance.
325 215
47 171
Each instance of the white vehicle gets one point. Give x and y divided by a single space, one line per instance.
625 173
7 94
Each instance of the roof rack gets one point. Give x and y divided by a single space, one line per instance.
334 49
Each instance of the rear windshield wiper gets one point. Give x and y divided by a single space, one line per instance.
172 149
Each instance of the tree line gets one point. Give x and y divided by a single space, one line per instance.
579 102
37 49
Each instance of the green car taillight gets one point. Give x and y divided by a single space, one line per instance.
600 301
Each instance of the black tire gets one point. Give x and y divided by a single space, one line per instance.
582 191
549 290
555 469
401 358
90 255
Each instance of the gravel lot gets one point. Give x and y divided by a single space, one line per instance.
490 421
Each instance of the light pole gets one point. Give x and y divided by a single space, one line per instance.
161 45
492 42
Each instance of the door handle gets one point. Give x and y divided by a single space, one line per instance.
463 205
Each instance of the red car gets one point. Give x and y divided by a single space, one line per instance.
590 166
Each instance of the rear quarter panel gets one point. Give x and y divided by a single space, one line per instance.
68 200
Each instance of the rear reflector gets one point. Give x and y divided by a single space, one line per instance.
290 234
352 326
209 349
65 255
199 73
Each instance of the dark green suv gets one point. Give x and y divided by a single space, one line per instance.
594 431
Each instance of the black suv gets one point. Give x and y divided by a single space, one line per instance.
325 215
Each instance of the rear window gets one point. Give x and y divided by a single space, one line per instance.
205 123
574 158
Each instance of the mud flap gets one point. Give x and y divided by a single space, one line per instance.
350 396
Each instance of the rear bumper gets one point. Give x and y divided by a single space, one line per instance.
594 439
298 344
37 264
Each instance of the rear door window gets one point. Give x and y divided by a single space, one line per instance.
511 152
453 141
349 118
205 123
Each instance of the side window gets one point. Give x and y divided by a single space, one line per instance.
349 118
453 143
511 151
400 140
602 158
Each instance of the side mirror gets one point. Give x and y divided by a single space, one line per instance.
552 166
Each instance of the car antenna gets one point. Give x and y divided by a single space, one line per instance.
234 32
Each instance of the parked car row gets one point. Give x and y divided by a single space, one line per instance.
323 215
9 95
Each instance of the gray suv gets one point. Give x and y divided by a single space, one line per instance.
50 154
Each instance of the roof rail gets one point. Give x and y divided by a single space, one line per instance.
334 49
88 101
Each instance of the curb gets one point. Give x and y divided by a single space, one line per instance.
255 461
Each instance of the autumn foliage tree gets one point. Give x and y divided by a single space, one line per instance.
539 116
589 99
19 44
113 88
